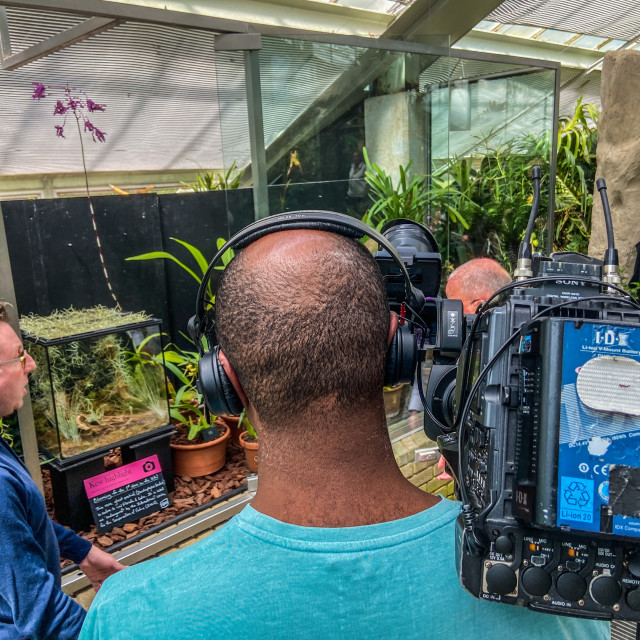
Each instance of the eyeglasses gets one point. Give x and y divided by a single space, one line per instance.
21 358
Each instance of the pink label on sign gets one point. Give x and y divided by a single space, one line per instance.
116 478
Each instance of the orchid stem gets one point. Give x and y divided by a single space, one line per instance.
93 214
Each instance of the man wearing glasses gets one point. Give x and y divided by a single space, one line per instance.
32 605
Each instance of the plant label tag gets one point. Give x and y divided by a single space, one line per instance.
210 433
127 493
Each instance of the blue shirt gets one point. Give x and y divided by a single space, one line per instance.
32 604
259 578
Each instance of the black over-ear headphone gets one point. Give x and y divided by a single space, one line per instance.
219 395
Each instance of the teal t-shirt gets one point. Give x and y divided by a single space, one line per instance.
258 578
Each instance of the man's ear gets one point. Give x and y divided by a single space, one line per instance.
231 374
472 307
393 326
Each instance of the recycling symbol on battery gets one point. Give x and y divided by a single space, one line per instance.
576 495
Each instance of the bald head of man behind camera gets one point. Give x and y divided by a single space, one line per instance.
303 325
475 281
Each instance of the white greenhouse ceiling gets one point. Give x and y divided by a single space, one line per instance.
172 105
605 18
576 33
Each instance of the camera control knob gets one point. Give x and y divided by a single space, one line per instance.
605 590
501 579
633 599
571 586
634 564
504 545
536 581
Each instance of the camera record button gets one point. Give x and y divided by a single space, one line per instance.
536 581
571 586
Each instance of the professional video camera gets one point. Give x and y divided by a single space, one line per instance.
542 411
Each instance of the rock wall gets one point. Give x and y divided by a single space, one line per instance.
618 157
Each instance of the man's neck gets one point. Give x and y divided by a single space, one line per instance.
334 478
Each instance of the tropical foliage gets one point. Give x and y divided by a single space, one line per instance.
185 399
577 142
217 181
5 433
245 425
201 263
480 205
407 199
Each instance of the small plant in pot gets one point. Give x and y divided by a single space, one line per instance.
248 441
199 445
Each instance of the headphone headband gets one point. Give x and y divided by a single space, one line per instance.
328 221
215 386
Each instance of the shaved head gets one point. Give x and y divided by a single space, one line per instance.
302 316
475 281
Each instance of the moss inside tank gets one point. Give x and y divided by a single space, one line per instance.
91 391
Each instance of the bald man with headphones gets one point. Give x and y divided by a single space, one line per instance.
337 543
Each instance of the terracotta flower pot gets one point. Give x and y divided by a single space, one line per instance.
232 423
250 451
197 460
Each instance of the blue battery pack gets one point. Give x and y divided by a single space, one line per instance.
598 428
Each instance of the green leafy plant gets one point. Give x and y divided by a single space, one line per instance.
576 167
407 199
201 263
244 424
185 400
5 433
217 181
485 202
144 376
454 191
194 418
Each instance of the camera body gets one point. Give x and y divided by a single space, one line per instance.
542 407
551 454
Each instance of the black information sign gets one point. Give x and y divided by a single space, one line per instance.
127 493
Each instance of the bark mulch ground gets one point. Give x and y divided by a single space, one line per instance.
189 493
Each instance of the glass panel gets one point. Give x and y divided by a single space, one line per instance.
555 36
470 129
588 42
490 123
323 103
519 30
612 45
486 25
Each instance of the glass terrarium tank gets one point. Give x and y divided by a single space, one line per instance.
99 380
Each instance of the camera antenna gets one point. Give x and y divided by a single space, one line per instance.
610 273
523 268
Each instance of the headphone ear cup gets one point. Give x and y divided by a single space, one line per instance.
215 386
401 357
